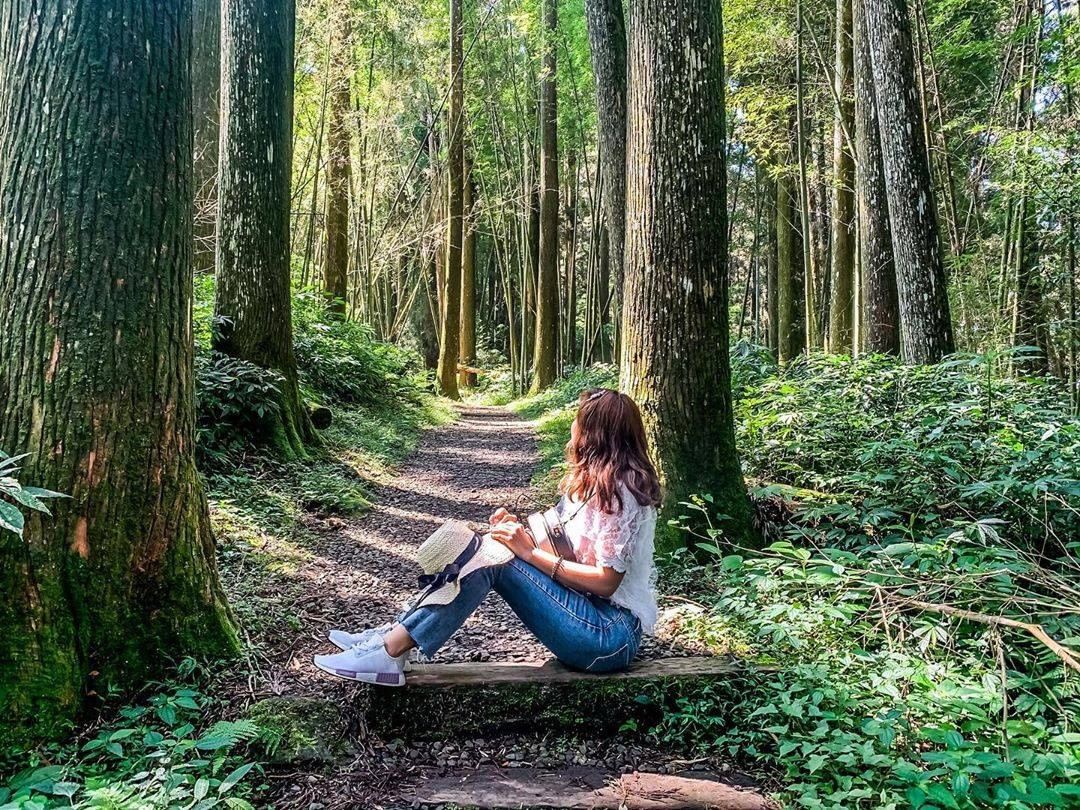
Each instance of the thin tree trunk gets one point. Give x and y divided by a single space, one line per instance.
253 301
842 274
772 265
339 172
96 374
570 256
206 85
450 336
607 41
546 349
466 378
674 358
926 325
790 293
812 329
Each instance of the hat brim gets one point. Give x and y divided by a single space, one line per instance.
491 552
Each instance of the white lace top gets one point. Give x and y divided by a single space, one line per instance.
623 541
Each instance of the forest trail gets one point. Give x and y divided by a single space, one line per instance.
366 569
362 571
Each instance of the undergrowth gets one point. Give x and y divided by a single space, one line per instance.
169 748
898 495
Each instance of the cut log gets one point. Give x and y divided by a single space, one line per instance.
551 671
321 416
585 789
485 698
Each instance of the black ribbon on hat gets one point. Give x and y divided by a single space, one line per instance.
452 571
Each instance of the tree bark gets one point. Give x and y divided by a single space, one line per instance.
772 281
674 357
546 347
450 334
790 276
607 43
253 303
338 171
467 351
879 319
96 377
206 86
926 325
842 271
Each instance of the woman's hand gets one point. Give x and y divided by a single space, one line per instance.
514 536
502 515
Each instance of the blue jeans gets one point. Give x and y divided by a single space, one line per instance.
584 632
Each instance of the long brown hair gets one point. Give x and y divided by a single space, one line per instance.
609 448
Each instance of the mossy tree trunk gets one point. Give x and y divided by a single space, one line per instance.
674 356
338 170
926 325
253 303
546 347
879 330
96 379
607 46
450 332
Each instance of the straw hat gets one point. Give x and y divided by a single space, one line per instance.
452 552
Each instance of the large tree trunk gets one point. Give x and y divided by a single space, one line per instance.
253 303
96 358
607 43
450 334
546 347
790 297
206 86
674 358
926 325
842 273
338 171
880 321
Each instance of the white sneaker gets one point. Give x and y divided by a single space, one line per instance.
343 640
367 663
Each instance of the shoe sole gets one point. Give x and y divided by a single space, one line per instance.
373 678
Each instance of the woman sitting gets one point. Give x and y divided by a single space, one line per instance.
590 612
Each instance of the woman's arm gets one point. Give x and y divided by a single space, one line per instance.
595 579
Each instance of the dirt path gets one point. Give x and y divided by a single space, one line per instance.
362 570
367 570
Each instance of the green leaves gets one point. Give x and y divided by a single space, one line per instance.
142 761
13 495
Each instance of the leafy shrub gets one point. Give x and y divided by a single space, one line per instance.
342 361
231 400
924 445
874 704
151 756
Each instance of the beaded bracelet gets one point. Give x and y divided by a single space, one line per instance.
555 569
